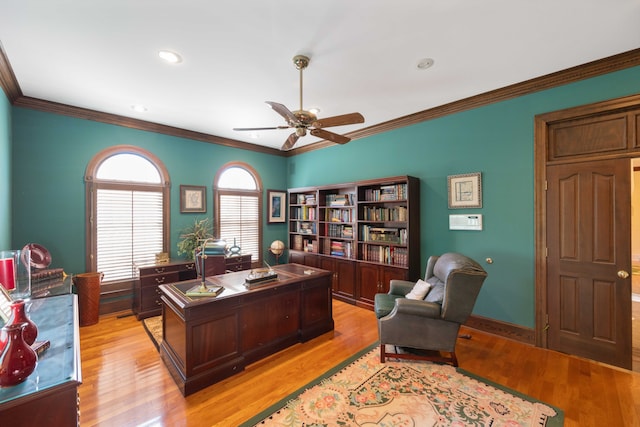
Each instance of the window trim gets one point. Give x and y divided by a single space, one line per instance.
257 192
92 183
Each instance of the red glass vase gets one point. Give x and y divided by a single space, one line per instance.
17 359
18 316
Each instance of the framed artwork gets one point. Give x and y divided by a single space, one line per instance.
465 190
193 198
276 206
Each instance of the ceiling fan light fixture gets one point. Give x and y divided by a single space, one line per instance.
170 57
306 121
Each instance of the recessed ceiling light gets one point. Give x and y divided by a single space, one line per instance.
425 63
254 135
170 56
139 108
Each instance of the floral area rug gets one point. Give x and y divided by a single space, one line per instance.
365 392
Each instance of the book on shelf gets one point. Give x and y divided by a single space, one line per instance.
338 230
386 193
338 215
306 228
377 213
310 246
339 199
385 255
305 199
339 248
383 234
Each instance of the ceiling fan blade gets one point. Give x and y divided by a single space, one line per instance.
330 136
284 112
344 119
267 128
290 142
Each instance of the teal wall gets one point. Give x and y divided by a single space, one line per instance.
5 172
497 140
50 155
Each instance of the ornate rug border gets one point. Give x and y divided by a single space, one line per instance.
556 421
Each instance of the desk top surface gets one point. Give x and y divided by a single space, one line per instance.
234 283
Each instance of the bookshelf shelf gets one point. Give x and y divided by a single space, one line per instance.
367 232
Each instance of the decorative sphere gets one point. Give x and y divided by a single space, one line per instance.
277 247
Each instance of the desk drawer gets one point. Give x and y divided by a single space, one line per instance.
159 279
238 263
157 269
150 299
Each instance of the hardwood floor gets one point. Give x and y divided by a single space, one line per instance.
126 384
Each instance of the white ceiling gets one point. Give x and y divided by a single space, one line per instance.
237 54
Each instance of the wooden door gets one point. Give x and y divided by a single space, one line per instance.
589 261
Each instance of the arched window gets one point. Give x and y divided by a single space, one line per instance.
238 198
127 212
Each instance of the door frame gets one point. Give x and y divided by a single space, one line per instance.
541 156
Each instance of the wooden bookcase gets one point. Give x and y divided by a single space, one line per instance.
365 232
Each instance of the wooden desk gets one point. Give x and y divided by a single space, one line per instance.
208 339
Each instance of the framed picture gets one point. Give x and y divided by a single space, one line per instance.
465 191
276 206
193 198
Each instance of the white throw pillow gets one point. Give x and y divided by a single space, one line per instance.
419 291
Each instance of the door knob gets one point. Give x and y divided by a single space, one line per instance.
623 274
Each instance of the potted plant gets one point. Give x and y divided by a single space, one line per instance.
193 235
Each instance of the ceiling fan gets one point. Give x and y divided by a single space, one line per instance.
303 120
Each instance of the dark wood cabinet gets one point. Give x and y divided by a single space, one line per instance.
343 281
365 232
207 339
146 297
373 279
304 258
237 263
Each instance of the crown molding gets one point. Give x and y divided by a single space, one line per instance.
618 62
8 81
114 119
570 75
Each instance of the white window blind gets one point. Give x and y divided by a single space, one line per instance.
129 227
240 220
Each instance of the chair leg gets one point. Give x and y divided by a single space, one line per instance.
382 353
454 359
